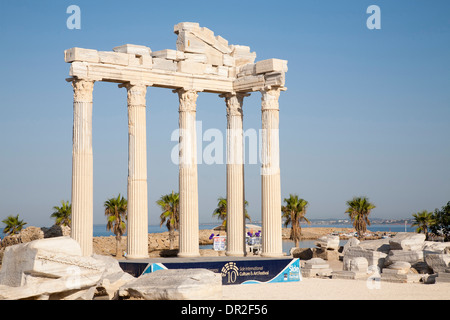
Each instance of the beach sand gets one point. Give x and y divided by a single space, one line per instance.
337 289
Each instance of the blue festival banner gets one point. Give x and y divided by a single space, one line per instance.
232 271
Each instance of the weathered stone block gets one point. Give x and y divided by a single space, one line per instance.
400 267
438 262
375 258
176 284
222 41
133 49
191 67
302 253
353 275
435 247
80 54
195 57
325 254
358 264
46 268
271 65
222 71
117 58
164 64
443 277
400 277
169 54
187 42
247 70
275 79
380 245
249 82
352 242
228 60
205 35
242 55
186 26
315 263
328 242
411 257
407 241
213 56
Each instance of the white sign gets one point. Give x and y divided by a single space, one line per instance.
220 243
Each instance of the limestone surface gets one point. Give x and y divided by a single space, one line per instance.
175 284
407 241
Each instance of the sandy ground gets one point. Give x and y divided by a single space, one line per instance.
337 289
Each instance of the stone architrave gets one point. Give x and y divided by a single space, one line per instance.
82 166
235 176
189 246
137 219
270 174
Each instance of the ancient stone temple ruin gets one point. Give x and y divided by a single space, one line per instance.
202 62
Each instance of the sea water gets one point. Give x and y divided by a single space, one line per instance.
101 231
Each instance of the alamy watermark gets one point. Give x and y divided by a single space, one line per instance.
374 20
374 279
74 20
214 147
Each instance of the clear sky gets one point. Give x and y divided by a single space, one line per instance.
367 112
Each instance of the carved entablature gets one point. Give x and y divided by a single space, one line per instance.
201 60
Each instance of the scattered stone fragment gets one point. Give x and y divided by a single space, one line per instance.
175 284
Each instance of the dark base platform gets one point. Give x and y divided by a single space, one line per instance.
234 270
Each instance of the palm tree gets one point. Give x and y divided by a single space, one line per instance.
13 225
221 211
294 212
116 213
170 204
62 214
423 220
358 210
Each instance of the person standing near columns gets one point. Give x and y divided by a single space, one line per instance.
270 174
137 222
235 176
82 166
188 174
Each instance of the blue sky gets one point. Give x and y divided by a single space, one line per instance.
366 111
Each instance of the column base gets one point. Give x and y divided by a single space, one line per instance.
134 257
272 254
188 254
235 254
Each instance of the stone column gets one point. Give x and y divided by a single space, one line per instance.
82 166
270 175
235 176
188 174
137 222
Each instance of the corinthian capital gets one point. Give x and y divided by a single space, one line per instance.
269 99
136 94
234 103
82 90
187 99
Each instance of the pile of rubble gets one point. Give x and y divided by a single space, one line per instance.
54 269
327 248
404 258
